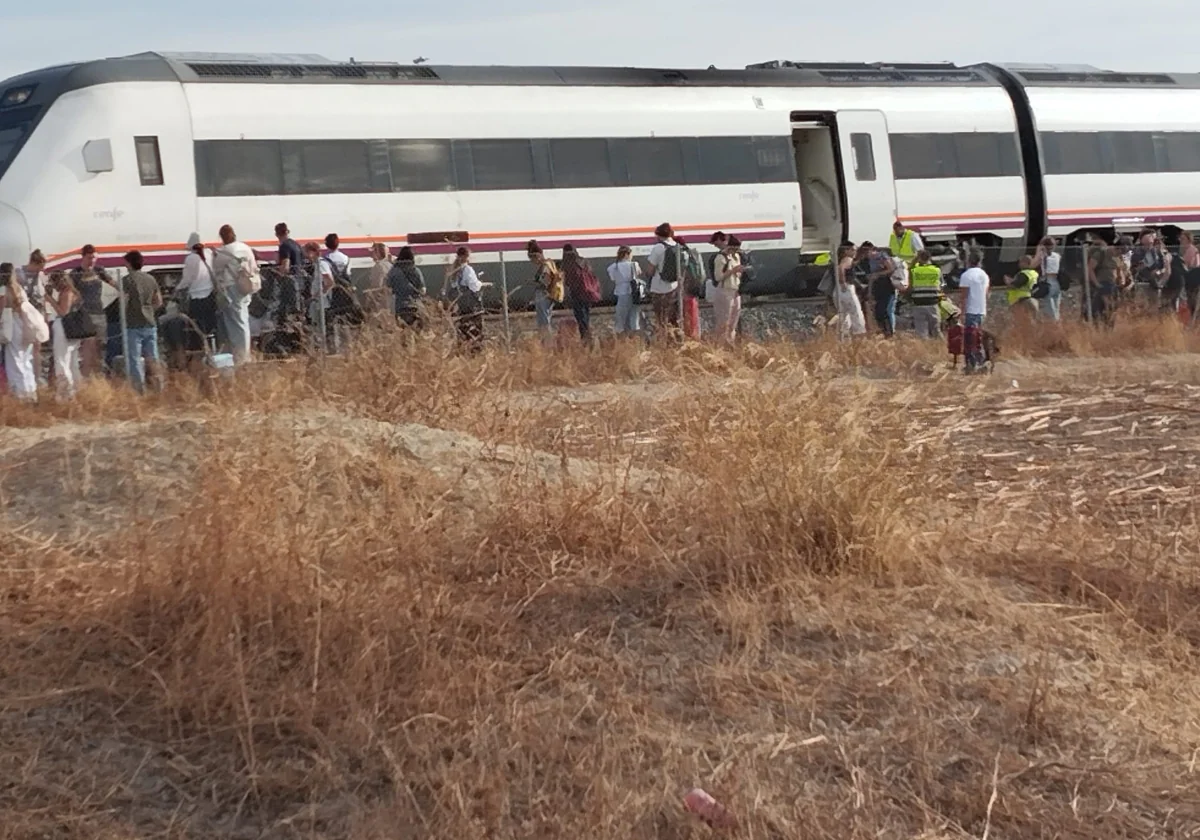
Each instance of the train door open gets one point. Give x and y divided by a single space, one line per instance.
867 177
822 202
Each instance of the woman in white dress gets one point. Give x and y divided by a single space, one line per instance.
849 310
63 299
18 352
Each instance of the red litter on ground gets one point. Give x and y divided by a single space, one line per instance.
700 803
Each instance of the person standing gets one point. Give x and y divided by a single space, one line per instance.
290 259
90 280
18 352
32 279
975 285
380 269
142 300
664 280
883 291
408 289
1048 261
691 286
547 288
582 288
465 291
719 241
849 307
727 278
925 290
904 243
197 284
626 278
63 299
231 262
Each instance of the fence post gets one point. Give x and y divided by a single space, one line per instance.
504 298
322 326
1087 287
679 284
121 304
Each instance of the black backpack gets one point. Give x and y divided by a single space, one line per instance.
672 262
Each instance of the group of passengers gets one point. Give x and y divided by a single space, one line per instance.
226 302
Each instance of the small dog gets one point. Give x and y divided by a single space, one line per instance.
960 339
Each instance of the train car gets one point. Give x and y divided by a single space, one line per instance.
793 158
1120 151
140 151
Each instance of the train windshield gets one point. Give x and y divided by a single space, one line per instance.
14 124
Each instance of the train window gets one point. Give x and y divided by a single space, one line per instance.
503 164
862 150
1073 153
580 163
9 137
421 165
1182 151
728 160
325 167
654 161
238 167
776 159
1132 152
917 156
978 154
148 160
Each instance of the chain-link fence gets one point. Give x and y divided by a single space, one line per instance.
212 320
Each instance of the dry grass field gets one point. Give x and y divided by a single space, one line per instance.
534 594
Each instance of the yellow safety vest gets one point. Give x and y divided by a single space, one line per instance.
1027 278
903 247
925 285
823 259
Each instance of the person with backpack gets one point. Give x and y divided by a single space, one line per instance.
343 310
692 288
582 289
727 278
464 291
408 289
665 268
236 279
547 288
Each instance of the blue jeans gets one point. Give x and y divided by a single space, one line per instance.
628 315
141 343
544 307
1054 299
974 349
885 315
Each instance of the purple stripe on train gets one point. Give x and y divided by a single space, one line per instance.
485 248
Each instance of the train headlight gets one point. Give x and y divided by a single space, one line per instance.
16 96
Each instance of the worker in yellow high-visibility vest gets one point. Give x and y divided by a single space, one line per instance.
924 293
905 243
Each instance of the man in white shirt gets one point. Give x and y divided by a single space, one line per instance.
664 292
974 284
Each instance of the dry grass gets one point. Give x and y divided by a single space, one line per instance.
893 605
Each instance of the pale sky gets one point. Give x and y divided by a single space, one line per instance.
1149 35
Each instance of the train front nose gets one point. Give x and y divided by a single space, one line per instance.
14 236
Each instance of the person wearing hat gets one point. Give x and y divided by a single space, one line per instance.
197 285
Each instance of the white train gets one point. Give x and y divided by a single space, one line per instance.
137 152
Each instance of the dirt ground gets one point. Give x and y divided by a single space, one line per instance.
1027 669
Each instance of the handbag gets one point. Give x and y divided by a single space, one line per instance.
35 324
77 326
